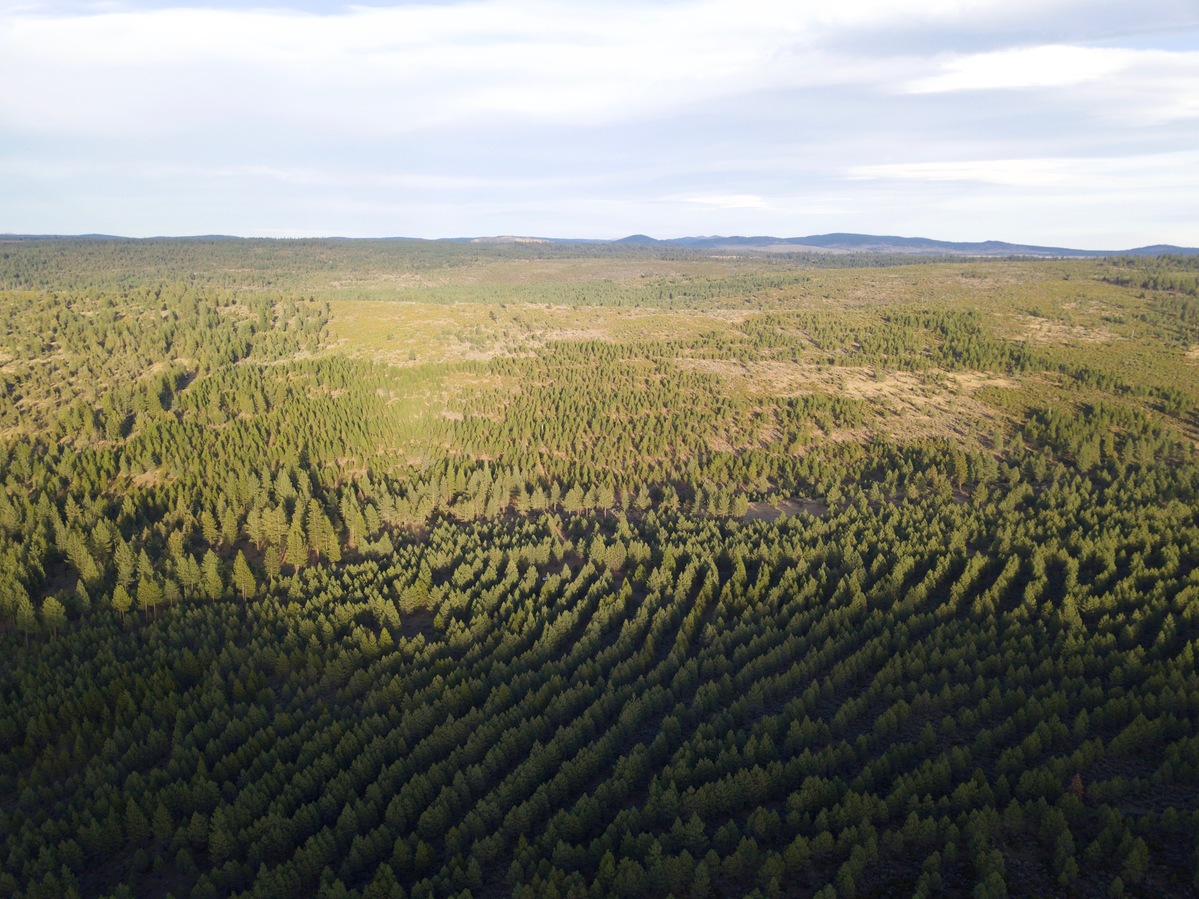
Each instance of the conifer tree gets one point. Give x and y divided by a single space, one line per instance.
270 563
243 577
149 594
53 614
214 586
121 600
297 544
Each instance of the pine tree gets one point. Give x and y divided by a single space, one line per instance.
149 595
209 527
573 501
243 577
214 586
162 823
83 597
230 527
26 620
175 545
315 525
254 528
274 525
297 544
145 568
121 600
189 575
355 523
270 563
53 614
11 592
126 563
137 828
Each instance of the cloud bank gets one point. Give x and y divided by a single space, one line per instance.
1059 122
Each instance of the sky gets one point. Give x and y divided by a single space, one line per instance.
1059 122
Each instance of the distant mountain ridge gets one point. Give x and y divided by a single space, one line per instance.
839 242
873 243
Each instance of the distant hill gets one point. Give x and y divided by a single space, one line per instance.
1159 249
873 243
814 243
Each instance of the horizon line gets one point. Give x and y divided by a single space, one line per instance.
760 241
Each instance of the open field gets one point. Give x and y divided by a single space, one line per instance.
1062 315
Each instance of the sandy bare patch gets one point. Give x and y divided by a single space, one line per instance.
906 405
863 382
763 511
733 316
576 334
152 478
393 280
1046 330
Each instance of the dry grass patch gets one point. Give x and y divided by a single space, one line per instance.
400 333
764 511
905 404
406 333
1047 330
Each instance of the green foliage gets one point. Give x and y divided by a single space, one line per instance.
776 601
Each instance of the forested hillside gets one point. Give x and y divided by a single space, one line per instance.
418 569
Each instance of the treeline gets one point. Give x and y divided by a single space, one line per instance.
434 268
1172 273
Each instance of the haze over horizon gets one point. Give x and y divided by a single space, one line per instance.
1064 123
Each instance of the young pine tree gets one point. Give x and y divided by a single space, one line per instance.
243 577
214 586
53 614
121 600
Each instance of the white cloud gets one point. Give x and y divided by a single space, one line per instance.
414 66
1174 170
692 115
405 67
1049 66
727 201
1138 85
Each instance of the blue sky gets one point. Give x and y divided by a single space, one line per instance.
1069 122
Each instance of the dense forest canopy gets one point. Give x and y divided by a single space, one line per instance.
402 568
